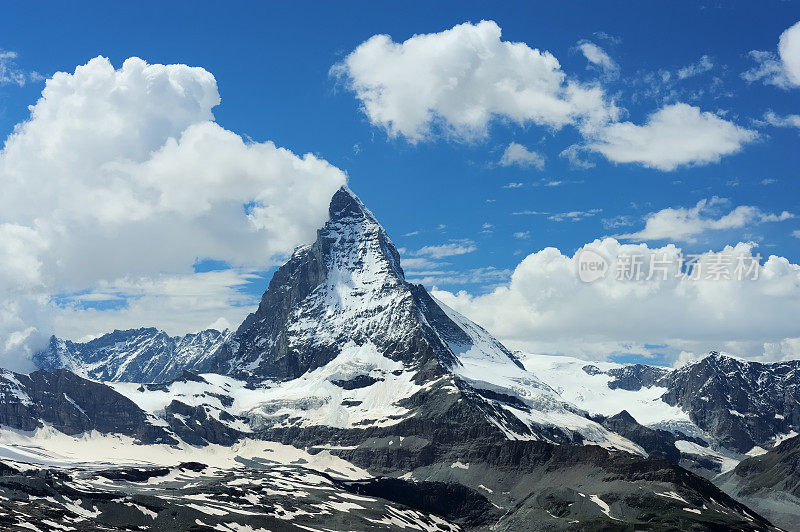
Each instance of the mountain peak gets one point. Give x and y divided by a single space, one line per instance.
345 203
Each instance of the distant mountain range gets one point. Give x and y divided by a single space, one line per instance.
352 399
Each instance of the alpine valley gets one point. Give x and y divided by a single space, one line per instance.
352 399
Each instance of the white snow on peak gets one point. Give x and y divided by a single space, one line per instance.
364 293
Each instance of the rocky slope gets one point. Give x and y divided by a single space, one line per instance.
73 406
769 483
194 496
724 404
742 404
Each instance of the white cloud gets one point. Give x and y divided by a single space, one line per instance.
598 57
570 216
522 235
684 224
124 173
10 74
482 276
462 78
796 233
545 308
781 69
576 160
675 135
446 250
703 65
419 263
173 303
513 185
573 216
781 121
458 81
789 51
518 155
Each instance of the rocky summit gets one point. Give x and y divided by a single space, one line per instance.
353 399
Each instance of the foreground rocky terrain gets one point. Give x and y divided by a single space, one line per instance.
769 482
352 399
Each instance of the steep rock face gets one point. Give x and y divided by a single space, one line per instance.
347 287
135 355
636 376
770 483
72 405
658 443
742 404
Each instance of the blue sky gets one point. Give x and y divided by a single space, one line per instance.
272 64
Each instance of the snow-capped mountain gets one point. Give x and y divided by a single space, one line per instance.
347 369
718 408
135 355
742 404
352 344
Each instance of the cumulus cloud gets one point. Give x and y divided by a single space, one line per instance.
123 173
462 78
675 135
684 224
781 69
458 81
518 155
545 308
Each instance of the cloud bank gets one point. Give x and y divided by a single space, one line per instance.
545 308
123 174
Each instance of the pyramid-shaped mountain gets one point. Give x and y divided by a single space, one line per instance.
349 343
348 365
346 288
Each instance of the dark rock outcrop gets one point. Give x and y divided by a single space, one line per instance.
742 404
72 405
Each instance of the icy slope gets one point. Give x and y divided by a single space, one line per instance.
592 387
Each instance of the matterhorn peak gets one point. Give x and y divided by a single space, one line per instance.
345 204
